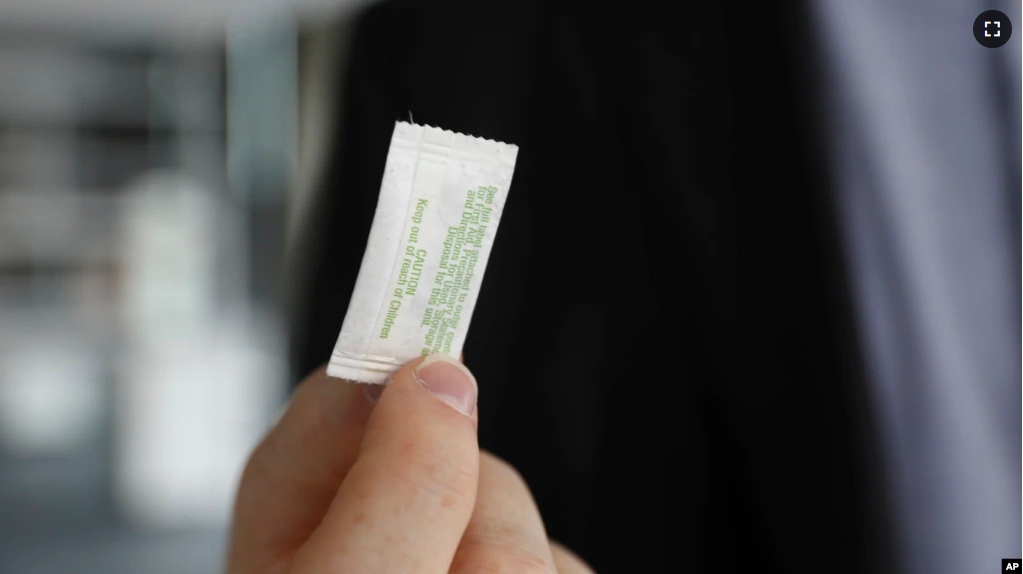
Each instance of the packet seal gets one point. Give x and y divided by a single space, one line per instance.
492 153
497 143
363 368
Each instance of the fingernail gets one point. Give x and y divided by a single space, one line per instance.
449 381
372 392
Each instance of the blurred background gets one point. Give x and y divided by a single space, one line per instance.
150 158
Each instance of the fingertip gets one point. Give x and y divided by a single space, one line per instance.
450 381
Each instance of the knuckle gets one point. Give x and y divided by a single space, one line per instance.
254 476
501 469
264 465
498 476
496 556
255 464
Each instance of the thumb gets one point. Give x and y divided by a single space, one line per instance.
407 500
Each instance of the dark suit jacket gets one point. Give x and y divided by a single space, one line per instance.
663 338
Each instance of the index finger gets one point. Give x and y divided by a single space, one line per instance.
295 472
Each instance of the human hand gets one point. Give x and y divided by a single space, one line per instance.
346 483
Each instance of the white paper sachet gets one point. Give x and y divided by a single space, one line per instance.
435 222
